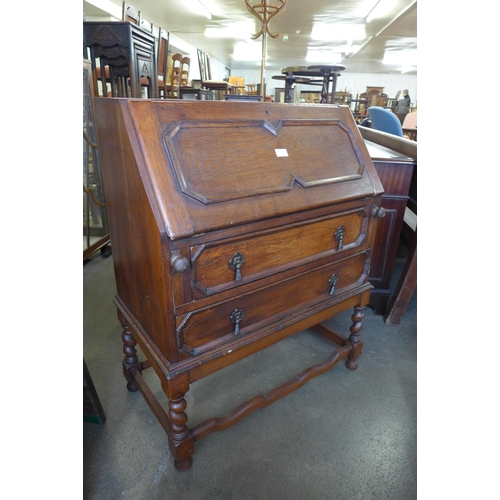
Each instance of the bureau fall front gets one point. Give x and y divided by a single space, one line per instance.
233 225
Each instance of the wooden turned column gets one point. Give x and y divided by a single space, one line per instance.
354 340
131 360
180 440
180 432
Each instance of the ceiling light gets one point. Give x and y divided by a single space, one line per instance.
400 57
328 32
323 56
244 51
241 30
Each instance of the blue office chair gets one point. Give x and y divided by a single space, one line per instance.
385 120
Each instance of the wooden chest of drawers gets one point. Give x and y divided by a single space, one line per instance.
233 225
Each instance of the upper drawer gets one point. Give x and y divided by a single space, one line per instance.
223 264
300 295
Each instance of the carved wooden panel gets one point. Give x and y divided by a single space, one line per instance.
257 157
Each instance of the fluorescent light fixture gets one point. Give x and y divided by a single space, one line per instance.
400 57
380 10
323 56
351 49
244 51
329 32
242 30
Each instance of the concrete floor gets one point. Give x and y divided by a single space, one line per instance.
345 435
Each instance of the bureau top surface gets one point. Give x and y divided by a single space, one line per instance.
214 164
379 152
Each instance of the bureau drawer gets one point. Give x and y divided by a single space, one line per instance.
203 329
221 265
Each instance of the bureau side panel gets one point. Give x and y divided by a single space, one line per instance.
135 235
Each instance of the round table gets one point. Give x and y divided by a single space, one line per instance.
328 72
290 80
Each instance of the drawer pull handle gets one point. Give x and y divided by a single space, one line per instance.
379 212
339 236
332 282
179 263
235 263
235 318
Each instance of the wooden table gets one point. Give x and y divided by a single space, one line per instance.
129 52
328 73
291 80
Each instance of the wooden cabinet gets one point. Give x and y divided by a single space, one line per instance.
234 225
395 171
395 159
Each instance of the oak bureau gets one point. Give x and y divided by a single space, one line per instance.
234 225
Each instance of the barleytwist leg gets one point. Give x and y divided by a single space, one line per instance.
131 360
354 340
179 433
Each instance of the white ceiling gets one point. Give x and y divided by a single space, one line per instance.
394 33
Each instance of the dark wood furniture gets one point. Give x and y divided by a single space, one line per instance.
290 80
234 226
161 62
328 74
195 94
398 187
219 87
395 171
129 52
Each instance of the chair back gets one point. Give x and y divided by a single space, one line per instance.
172 90
385 120
239 83
184 71
410 120
251 88
146 25
162 54
130 14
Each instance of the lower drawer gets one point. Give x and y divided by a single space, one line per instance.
203 329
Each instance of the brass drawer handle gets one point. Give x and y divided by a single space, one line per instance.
235 318
339 236
332 282
235 263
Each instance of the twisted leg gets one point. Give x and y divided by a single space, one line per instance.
354 340
179 432
131 360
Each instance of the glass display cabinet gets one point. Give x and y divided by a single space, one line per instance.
95 223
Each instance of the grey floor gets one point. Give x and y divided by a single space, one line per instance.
345 435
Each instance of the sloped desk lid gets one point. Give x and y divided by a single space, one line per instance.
210 165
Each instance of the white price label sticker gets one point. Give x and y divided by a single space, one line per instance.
280 153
